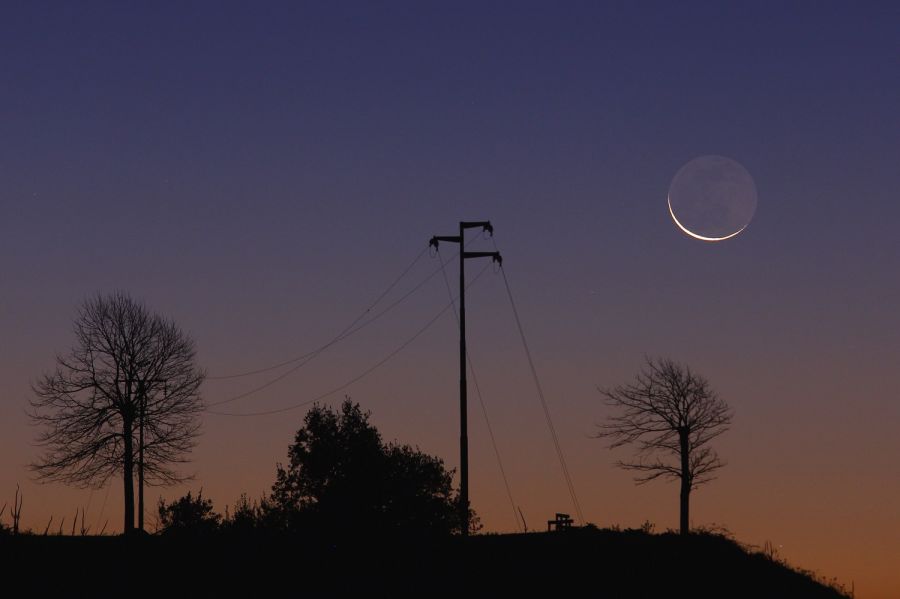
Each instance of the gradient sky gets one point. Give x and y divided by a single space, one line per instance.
260 173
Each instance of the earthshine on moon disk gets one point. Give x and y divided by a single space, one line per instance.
712 198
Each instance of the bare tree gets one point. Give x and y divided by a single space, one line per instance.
670 414
128 390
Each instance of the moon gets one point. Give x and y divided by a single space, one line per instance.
694 235
712 198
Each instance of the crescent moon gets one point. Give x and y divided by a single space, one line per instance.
694 235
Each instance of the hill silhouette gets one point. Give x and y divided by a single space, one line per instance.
607 563
350 514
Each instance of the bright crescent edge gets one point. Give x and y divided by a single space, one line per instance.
694 235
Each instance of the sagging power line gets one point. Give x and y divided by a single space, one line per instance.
345 333
309 356
540 392
358 377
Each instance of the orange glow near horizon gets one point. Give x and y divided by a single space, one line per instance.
259 177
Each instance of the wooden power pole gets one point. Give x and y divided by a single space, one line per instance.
463 409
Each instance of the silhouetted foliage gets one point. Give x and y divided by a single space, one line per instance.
247 517
188 515
668 412
126 360
343 481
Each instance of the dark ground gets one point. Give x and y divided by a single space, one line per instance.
597 563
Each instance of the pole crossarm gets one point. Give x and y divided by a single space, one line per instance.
484 224
495 255
451 238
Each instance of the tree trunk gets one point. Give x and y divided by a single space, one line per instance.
685 481
128 477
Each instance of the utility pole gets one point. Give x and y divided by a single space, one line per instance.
463 408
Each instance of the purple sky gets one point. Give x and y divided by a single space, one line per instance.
260 173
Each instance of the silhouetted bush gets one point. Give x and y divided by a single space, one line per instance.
188 515
248 517
343 482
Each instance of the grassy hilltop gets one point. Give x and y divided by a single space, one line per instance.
599 563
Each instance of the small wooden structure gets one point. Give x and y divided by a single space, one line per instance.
562 522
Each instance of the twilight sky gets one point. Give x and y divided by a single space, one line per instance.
260 174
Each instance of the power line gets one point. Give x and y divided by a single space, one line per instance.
359 376
487 420
349 330
308 357
540 391
339 336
